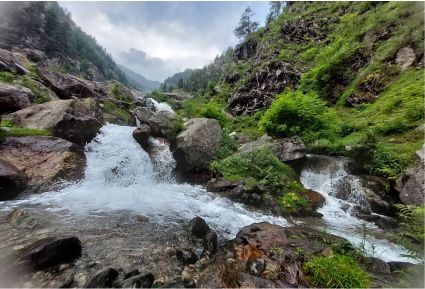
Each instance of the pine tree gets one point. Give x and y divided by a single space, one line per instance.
246 25
275 10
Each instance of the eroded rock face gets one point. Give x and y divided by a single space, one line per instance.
13 62
198 143
259 90
245 50
411 185
66 85
12 181
44 160
73 120
14 97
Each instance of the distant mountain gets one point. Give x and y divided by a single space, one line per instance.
174 79
139 81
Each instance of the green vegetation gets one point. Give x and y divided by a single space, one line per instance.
7 76
335 271
260 167
8 129
228 146
116 93
110 108
290 202
41 96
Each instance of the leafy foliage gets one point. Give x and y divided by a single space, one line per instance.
246 26
291 201
260 167
335 271
7 76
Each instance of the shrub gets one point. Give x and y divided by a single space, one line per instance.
228 146
7 76
260 167
292 201
335 271
110 107
299 114
212 110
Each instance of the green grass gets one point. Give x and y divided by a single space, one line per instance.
335 271
41 96
7 76
111 108
8 129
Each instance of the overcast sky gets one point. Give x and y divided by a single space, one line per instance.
158 39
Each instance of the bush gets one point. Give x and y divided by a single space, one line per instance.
335 271
212 110
260 167
7 76
292 201
228 146
299 114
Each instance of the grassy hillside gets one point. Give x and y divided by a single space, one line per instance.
344 88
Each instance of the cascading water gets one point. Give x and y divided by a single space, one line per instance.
120 176
325 175
153 105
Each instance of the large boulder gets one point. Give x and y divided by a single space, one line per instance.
197 144
143 114
163 123
12 181
411 185
45 160
245 50
67 86
73 120
286 149
13 62
14 97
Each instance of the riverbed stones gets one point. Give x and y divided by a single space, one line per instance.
103 279
411 185
73 120
14 97
44 160
59 251
12 181
197 144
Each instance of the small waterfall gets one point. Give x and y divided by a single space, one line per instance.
155 106
328 175
163 161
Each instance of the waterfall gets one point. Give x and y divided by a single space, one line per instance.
155 106
325 175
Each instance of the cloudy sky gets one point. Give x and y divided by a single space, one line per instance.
157 39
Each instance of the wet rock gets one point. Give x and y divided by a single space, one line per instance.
12 181
14 97
138 281
411 185
315 199
143 114
60 251
256 267
186 256
378 265
397 266
131 274
198 227
405 57
163 123
73 120
44 160
141 135
197 144
211 241
67 86
215 185
103 279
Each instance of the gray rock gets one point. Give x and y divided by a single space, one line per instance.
163 123
411 185
14 97
141 135
143 114
73 120
198 227
405 57
138 281
197 144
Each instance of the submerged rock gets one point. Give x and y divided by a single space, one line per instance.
44 160
12 181
60 251
197 144
73 120
103 279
